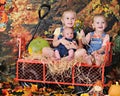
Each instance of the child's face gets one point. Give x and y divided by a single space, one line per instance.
99 23
68 33
68 19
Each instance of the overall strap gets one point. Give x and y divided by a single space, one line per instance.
103 35
61 29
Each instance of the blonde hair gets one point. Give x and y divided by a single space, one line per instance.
99 15
69 10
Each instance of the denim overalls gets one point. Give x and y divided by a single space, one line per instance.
95 43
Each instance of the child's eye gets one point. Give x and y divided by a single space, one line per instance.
97 22
103 22
72 18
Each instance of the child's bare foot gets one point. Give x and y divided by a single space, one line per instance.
98 60
55 58
57 55
88 60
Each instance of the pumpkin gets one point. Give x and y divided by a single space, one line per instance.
98 86
114 90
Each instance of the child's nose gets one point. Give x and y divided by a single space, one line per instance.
71 20
100 24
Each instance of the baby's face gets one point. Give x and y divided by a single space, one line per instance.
68 33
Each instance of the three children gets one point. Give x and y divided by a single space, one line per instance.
96 40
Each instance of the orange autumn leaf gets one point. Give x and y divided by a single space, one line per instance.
4 17
18 89
58 94
27 93
2 1
2 8
5 92
114 2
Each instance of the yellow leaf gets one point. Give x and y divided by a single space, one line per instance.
84 94
71 87
34 88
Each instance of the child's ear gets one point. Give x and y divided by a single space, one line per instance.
62 21
106 25
93 26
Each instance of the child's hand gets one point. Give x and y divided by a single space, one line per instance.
94 53
68 44
64 41
82 33
100 50
84 41
73 45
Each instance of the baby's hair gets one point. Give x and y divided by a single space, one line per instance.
68 28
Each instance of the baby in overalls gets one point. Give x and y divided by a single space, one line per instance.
61 50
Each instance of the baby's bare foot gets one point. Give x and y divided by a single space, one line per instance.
57 58
70 58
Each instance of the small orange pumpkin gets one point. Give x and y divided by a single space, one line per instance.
114 90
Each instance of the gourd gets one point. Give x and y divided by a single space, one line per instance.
116 42
114 90
36 45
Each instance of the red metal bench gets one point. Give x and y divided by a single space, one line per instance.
80 74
